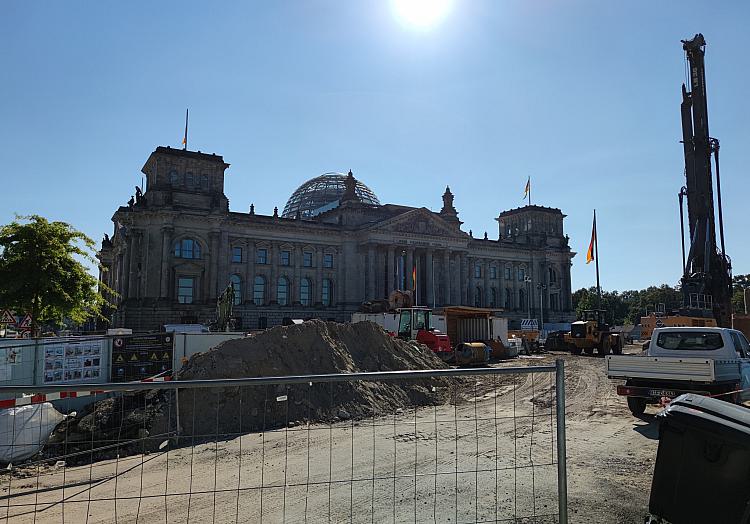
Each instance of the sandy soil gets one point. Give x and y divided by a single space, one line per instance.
365 471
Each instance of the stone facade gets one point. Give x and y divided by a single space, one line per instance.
177 246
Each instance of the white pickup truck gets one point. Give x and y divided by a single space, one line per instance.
703 360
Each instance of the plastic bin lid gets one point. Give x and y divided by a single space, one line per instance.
707 411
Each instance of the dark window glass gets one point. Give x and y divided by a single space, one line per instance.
285 258
174 178
307 259
261 256
236 282
507 272
185 288
690 340
236 254
282 291
305 292
189 181
477 271
328 260
259 291
187 248
327 292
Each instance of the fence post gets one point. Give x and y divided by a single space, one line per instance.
562 471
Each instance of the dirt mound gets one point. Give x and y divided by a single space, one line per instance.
313 347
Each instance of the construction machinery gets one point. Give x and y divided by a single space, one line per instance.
707 271
593 333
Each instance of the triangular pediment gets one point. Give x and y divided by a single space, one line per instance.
419 221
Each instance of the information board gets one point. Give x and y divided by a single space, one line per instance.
141 356
73 361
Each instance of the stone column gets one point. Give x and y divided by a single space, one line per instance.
487 287
446 296
390 261
430 280
295 294
166 256
249 270
213 266
126 266
409 268
465 282
371 272
273 260
457 287
135 252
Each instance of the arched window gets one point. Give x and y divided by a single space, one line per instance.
521 299
478 297
493 297
327 292
259 291
282 291
187 248
508 299
305 292
236 282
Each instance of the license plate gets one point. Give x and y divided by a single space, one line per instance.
662 393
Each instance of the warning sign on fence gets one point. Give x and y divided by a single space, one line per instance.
141 356
529 324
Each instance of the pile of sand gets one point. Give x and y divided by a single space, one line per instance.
313 347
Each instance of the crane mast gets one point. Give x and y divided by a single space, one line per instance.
706 280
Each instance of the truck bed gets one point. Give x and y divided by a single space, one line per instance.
703 370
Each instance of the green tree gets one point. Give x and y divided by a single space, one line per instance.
739 284
42 272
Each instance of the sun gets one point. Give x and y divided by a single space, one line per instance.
421 13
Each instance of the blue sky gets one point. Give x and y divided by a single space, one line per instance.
583 96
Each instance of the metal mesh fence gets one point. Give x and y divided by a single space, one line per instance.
464 445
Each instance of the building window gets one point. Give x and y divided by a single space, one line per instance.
478 297
552 275
493 297
282 291
493 271
285 258
237 254
185 290
328 260
508 299
187 248
262 322
305 292
204 181
554 302
174 178
477 270
521 274
259 291
327 292
189 181
307 259
236 282
261 256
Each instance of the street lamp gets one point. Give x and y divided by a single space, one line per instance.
527 281
541 288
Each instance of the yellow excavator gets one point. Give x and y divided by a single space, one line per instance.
593 333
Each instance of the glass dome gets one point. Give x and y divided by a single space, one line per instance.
322 193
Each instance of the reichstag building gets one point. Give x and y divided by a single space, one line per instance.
176 246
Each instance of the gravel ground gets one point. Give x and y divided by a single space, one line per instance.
492 439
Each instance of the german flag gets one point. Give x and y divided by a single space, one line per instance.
592 244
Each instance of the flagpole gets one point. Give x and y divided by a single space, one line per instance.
596 259
529 182
186 129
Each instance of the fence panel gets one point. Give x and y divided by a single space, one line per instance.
462 445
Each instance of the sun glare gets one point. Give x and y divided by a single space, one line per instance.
421 13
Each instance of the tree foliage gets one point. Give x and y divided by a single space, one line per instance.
739 284
628 307
41 272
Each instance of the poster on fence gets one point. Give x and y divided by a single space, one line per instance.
141 356
73 361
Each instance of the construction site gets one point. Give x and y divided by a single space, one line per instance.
404 412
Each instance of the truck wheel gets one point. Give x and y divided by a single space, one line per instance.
589 351
637 406
603 349
617 350
575 351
